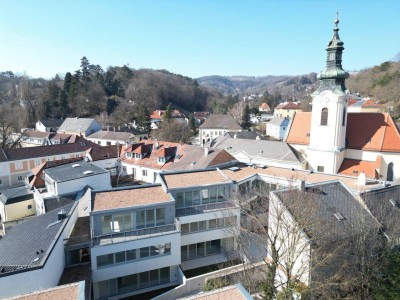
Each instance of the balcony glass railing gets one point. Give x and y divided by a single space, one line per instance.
199 209
119 237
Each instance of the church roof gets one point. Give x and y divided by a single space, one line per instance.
365 131
354 167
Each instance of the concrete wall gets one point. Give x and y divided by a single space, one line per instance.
19 210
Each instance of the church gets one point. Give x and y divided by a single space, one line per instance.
335 141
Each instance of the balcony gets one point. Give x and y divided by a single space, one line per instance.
200 209
127 236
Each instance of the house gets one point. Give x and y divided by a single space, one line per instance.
286 110
260 152
318 227
147 159
48 125
38 138
106 157
333 140
217 125
15 164
79 126
156 117
277 127
365 105
32 252
73 177
107 138
264 108
201 116
16 203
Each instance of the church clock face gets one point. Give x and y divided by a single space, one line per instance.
325 95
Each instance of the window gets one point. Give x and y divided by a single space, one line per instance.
29 206
20 178
150 218
160 216
105 260
144 173
161 159
18 165
108 143
284 128
344 117
1 182
128 154
320 169
324 117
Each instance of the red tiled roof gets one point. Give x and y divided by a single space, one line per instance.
369 103
104 152
354 167
264 106
300 129
365 131
351 101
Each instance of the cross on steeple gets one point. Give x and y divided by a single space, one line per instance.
337 19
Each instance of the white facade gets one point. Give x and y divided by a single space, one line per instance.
327 137
207 135
276 131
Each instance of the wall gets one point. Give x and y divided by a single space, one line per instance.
20 210
96 182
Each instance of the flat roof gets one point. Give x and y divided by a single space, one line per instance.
64 292
289 174
178 180
129 197
74 170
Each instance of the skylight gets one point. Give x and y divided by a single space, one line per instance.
88 172
76 165
338 216
234 169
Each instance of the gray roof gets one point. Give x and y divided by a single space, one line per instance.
318 204
28 244
110 135
74 170
51 122
278 121
384 205
220 122
15 194
56 203
250 135
274 150
76 124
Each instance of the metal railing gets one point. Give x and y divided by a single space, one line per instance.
199 209
119 237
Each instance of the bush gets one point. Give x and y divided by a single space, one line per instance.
215 283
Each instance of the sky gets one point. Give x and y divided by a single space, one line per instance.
195 37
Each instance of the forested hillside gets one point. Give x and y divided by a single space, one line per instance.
381 83
116 93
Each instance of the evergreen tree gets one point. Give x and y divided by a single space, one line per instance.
85 68
246 124
143 119
167 116
67 82
192 123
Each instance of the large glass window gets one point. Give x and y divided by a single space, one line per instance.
194 227
184 253
150 218
205 197
131 254
127 283
201 250
202 225
144 279
192 251
188 199
180 200
128 222
144 252
164 275
160 216
140 219
196 198
106 224
185 228
120 257
105 260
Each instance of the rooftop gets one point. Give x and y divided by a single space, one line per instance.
279 121
51 122
196 178
288 105
28 244
250 135
129 197
220 122
104 152
15 194
71 291
76 124
110 135
232 292
73 171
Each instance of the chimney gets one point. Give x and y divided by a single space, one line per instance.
302 186
62 215
257 137
119 128
235 136
206 151
362 179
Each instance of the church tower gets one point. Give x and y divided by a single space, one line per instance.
329 112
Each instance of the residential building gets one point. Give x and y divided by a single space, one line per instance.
79 126
201 116
286 110
264 108
16 203
217 125
145 160
39 138
336 141
48 125
15 164
32 252
156 117
248 135
108 138
106 157
365 105
277 127
260 152
316 229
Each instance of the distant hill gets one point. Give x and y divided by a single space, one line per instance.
287 86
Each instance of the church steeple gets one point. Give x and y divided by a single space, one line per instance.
333 77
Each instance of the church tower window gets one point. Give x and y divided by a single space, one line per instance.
324 117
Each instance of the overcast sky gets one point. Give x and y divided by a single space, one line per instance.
195 37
